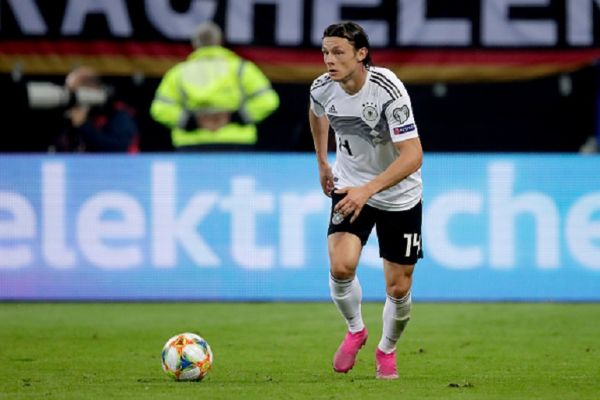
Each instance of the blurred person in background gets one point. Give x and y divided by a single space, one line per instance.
375 181
106 126
214 99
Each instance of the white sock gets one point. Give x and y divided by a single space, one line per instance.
347 296
396 313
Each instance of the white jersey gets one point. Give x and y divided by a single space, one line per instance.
366 126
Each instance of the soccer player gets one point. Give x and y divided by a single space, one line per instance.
375 181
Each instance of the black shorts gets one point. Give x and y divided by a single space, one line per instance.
398 232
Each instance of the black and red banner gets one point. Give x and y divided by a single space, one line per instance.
421 40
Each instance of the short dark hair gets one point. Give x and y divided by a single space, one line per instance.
355 34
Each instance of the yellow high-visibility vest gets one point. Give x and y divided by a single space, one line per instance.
214 78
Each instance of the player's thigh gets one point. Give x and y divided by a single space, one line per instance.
361 227
346 239
344 253
399 235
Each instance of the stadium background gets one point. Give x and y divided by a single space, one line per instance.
505 94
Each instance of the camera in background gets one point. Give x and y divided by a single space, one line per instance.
47 95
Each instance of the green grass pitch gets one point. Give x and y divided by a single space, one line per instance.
284 350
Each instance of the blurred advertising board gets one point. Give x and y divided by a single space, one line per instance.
253 227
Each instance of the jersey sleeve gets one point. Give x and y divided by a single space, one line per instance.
401 120
317 94
316 106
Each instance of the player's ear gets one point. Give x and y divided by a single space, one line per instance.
362 54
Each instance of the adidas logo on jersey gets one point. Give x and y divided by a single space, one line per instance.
332 110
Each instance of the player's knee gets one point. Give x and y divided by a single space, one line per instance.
342 270
398 289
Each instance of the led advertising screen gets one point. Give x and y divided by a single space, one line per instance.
252 227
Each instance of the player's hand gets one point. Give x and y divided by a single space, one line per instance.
354 201
326 179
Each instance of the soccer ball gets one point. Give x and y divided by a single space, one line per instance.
187 357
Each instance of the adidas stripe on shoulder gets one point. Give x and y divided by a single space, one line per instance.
387 84
321 81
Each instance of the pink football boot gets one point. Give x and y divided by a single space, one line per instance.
386 365
345 356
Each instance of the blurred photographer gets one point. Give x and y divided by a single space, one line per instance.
96 122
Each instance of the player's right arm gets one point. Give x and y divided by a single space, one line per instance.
319 127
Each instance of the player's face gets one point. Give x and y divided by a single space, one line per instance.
341 58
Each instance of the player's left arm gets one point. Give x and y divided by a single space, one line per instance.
409 160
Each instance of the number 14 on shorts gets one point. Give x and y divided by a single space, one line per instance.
412 240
